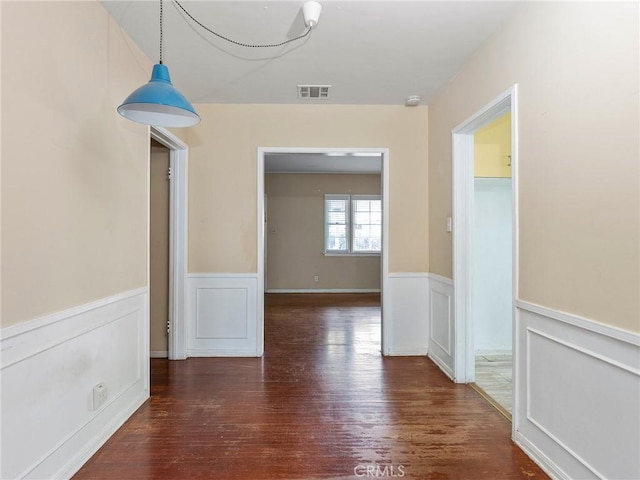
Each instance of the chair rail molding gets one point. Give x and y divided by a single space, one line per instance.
64 356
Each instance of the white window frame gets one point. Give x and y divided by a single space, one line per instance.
349 224
347 199
352 223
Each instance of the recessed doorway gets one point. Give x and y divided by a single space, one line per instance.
312 166
485 250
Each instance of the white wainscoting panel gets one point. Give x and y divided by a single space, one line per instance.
409 310
578 394
222 315
49 368
442 325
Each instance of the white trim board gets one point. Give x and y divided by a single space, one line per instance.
441 279
222 275
64 355
25 327
323 290
596 327
463 231
178 195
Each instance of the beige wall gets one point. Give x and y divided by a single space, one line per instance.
222 174
74 174
576 64
295 233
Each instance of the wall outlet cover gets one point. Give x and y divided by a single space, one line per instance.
99 395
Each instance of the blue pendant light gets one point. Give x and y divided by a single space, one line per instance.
158 103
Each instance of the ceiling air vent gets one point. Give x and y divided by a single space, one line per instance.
314 91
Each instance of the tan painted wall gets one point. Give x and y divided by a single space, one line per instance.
295 233
222 174
576 64
74 174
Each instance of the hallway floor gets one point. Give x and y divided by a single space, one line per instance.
494 375
322 403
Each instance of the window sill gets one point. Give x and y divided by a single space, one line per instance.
351 254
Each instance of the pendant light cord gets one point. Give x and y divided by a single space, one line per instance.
249 45
160 32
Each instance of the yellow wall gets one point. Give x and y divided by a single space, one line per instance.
577 69
222 174
74 174
492 148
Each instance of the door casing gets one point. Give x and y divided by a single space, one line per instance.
463 192
384 260
178 161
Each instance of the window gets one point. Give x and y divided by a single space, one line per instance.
353 224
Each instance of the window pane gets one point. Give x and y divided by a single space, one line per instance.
336 223
361 218
338 231
367 225
336 218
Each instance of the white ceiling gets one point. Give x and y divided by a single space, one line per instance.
322 163
371 52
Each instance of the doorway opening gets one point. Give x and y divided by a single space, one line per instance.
175 244
159 186
295 185
485 250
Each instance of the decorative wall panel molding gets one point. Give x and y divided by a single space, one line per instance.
222 315
409 308
578 394
50 366
442 325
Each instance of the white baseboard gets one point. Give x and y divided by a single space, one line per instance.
49 368
159 354
219 352
419 351
540 458
323 290
442 366
577 394
111 426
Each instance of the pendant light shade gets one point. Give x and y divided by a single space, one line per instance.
158 103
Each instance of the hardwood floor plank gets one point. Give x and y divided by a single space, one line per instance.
322 403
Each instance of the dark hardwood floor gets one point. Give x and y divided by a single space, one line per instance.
321 403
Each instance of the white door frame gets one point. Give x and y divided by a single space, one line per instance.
384 255
463 188
178 162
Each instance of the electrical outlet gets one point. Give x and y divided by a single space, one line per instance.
99 395
316 278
